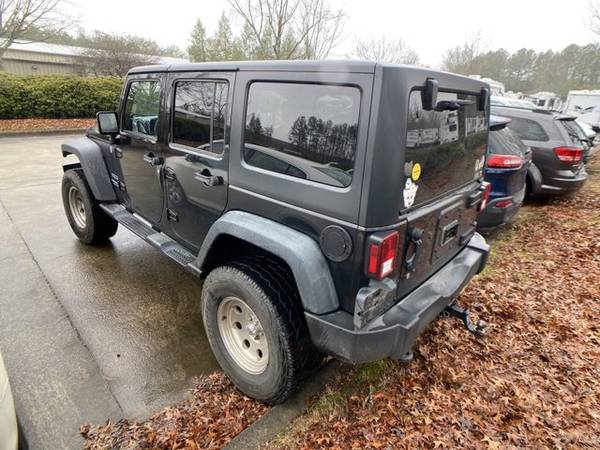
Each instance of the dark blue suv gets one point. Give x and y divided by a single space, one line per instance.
506 167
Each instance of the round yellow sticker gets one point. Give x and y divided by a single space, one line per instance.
416 172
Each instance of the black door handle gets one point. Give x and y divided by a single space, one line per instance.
207 178
153 160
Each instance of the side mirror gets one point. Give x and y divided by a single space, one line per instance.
108 123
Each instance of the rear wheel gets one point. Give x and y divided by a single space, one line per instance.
255 326
89 223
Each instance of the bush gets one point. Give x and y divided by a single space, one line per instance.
57 96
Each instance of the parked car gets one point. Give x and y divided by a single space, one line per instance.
588 130
315 227
590 136
512 102
8 418
557 155
506 165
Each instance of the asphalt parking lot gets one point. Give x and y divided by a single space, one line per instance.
87 333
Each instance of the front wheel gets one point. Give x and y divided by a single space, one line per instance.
89 223
255 326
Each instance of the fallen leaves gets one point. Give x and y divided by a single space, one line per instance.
25 125
215 412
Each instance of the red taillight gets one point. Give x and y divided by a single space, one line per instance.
505 161
382 255
503 204
569 154
486 189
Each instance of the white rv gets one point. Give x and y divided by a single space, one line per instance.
586 105
545 100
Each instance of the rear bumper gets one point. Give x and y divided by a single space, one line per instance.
394 332
560 185
493 216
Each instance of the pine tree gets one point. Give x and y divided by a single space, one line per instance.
197 48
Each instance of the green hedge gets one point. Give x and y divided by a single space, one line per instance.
57 96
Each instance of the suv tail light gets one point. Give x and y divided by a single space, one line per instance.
382 255
505 161
569 154
486 188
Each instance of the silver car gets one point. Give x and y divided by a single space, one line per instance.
8 418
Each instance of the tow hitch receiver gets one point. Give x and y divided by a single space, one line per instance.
477 329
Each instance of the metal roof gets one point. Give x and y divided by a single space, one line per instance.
277 65
69 50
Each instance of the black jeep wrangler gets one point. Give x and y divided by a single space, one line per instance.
329 207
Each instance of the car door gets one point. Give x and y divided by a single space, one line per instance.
196 160
139 151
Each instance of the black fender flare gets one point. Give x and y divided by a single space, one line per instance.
536 178
92 162
302 254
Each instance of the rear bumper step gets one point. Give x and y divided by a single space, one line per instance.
393 333
161 241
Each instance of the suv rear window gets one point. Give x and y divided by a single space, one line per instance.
306 131
505 142
528 130
448 146
574 131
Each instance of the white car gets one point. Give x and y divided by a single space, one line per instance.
8 418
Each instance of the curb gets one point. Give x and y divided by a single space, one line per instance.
42 132
280 416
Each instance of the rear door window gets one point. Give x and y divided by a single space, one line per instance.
528 130
444 149
199 115
306 131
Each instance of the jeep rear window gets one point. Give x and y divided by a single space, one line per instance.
444 149
305 131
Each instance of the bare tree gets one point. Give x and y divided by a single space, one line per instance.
593 22
460 58
291 29
115 55
20 17
384 50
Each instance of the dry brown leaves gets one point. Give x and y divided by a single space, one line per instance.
24 125
533 382
210 418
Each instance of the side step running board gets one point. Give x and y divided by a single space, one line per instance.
161 241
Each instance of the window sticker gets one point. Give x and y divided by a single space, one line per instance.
412 171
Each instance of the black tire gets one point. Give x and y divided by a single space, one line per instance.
96 227
270 291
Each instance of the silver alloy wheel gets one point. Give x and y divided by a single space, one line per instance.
243 335
77 207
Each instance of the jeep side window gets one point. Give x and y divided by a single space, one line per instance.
303 130
199 115
528 130
142 107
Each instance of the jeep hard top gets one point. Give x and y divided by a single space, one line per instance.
327 206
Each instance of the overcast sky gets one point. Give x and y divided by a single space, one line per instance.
429 26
